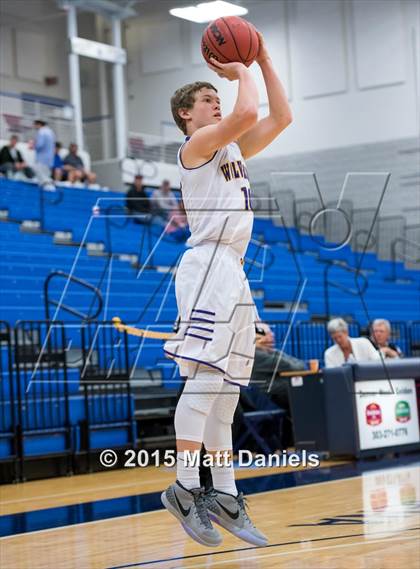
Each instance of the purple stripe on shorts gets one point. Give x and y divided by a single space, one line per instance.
202 320
203 311
234 383
201 328
197 336
193 360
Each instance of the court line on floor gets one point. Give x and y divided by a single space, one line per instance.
75 493
142 483
336 481
76 525
161 509
68 525
307 552
253 548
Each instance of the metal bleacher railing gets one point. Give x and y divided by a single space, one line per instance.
358 290
414 339
19 110
117 218
44 200
52 408
71 310
50 199
105 379
388 237
153 148
55 407
42 391
406 250
8 424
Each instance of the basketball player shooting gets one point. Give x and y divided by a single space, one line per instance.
215 343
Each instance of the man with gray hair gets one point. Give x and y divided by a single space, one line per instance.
380 332
347 349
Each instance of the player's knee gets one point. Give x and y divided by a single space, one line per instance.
227 403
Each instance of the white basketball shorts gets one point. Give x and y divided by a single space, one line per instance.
217 314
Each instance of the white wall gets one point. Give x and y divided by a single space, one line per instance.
30 51
356 173
348 67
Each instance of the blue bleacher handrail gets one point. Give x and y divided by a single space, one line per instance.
358 291
297 217
65 307
268 256
105 352
42 387
395 257
58 195
372 242
8 430
109 223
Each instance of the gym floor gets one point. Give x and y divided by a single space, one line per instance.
342 515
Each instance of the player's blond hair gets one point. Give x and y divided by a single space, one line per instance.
184 98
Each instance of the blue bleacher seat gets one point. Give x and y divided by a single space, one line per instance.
294 266
27 259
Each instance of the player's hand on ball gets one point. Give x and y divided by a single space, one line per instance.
263 54
230 71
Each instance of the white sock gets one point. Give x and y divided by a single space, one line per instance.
224 479
187 474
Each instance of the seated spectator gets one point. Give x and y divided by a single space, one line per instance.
346 349
75 169
269 361
164 201
11 160
380 332
137 201
177 226
58 165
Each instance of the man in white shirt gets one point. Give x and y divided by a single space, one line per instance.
346 349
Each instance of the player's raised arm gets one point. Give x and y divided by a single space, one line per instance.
280 115
207 139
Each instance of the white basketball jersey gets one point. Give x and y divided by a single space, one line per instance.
217 199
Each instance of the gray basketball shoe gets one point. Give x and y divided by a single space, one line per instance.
189 507
230 512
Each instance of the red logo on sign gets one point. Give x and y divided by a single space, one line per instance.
373 414
379 499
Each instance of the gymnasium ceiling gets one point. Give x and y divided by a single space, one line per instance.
38 11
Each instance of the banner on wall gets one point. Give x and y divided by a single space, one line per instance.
387 413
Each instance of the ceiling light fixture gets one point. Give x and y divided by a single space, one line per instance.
208 11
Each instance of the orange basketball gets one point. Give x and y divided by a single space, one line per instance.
230 39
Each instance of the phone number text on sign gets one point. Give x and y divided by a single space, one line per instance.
389 433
